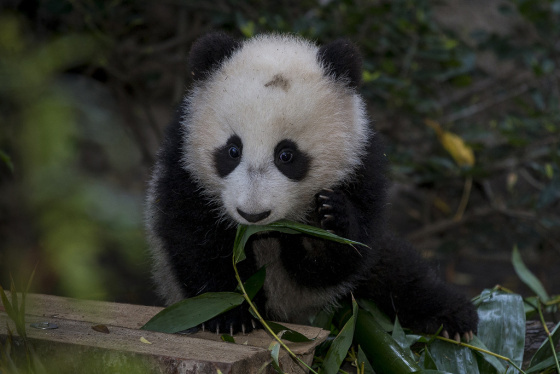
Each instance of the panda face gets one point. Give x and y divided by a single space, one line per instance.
269 129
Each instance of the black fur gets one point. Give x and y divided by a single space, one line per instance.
208 52
224 161
390 272
342 59
297 166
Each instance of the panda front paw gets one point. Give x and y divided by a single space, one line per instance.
238 320
458 324
331 209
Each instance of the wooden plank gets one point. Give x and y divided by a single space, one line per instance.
75 343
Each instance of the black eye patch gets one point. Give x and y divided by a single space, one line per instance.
228 156
291 162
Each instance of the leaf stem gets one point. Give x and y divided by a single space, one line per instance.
508 360
263 322
548 335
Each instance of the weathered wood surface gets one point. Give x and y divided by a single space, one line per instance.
535 335
77 347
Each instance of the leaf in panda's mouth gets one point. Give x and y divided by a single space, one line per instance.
285 226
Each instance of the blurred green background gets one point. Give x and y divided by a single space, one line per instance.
466 94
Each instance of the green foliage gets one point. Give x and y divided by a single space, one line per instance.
48 121
498 348
72 173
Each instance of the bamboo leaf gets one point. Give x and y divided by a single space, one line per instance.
364 362
496 364
193 311
453 358
254 283
453 144
429 362
274 352
378 315
541 366
287 334
311 230
527 276
7 304
339 347
227 338
383 352
545 350
501 326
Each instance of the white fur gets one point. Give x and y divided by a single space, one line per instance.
167 284
287 300
326 119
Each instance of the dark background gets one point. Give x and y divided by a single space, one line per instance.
87 87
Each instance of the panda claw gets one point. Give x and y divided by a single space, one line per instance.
231 329
203 327
325 207
243 328
445 334
254 323
328 190
323 197
457 337
218 330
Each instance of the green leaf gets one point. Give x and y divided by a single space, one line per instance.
7 304
380 317
501 326
549 362
496 364
453 358
275 351
383 352
362 360
545 350
323 319
286 333
254 283
339 347
311 230
193 311
288 227
527 277
4 157
429 362
401 338
227 338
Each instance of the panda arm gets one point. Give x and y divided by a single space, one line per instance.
354 211
403 284
318 263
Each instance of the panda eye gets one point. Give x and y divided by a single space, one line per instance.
290 160
234 152
286 156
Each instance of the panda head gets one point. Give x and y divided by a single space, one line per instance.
270 122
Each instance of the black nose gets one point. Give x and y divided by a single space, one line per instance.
253 217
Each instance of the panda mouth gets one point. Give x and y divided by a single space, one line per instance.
253 218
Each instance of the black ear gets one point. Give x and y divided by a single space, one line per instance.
209 51
342 58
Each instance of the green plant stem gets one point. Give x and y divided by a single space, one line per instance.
548 335
263 322
555 300
508 360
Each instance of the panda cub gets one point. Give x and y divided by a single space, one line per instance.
274 128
